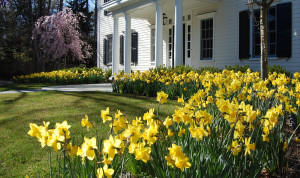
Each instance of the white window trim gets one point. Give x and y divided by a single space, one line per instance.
188 59
151 54
203 17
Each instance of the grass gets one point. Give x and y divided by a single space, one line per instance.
22 155
10 87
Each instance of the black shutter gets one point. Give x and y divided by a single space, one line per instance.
284 30
244 41
122 49
134 47
105 52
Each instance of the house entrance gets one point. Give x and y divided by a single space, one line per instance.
172 42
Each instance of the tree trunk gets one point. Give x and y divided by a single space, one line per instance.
33 42
61 3
87 5
96 12
49 7
264 40
65 62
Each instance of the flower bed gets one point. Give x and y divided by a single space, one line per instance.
232 126
67 76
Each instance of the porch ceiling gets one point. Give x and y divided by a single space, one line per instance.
147 11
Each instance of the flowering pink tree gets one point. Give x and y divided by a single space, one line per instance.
58 37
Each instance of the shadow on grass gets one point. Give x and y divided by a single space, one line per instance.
127 103
13 101
17 87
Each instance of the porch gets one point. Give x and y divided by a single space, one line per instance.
172 23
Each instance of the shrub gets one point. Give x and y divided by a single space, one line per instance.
237 68
279 70
67 76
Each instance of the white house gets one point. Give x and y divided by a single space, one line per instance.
142 34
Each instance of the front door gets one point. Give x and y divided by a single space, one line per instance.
172 42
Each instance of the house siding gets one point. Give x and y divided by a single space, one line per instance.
226 37
139 25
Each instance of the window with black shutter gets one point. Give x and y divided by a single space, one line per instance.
105 44
279 32
107 50
284 30
122 49
134 47
244 41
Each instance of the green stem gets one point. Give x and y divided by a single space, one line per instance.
50 164
122 166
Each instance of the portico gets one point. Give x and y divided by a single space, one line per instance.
152 10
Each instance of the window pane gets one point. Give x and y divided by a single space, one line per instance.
203 34
272 37
257 38
272 50
206 38
271 25
272 14
272 33
257 50
203 24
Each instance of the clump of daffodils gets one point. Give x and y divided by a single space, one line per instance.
232 116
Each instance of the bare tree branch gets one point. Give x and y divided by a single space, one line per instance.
257 2
270 3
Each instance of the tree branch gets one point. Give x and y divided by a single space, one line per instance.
270 3
257 2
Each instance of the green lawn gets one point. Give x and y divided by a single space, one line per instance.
22 155
22 86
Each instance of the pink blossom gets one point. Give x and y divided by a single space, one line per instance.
58 36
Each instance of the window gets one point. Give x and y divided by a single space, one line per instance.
206 39
170 42
279 32
152 45
189 33
271 33
107 50
134 48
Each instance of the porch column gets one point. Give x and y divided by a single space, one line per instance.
178 57
159 35
115 46
127 44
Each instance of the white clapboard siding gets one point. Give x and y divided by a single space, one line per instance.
226 37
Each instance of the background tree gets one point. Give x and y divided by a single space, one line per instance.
86 24
263 5
59 39
19 53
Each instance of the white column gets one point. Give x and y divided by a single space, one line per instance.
159 35
127 44
115 47
178 57
98 33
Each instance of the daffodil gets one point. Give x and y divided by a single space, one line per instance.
249 146
162 97
111 145
88 148
105 171
105 115
85 122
